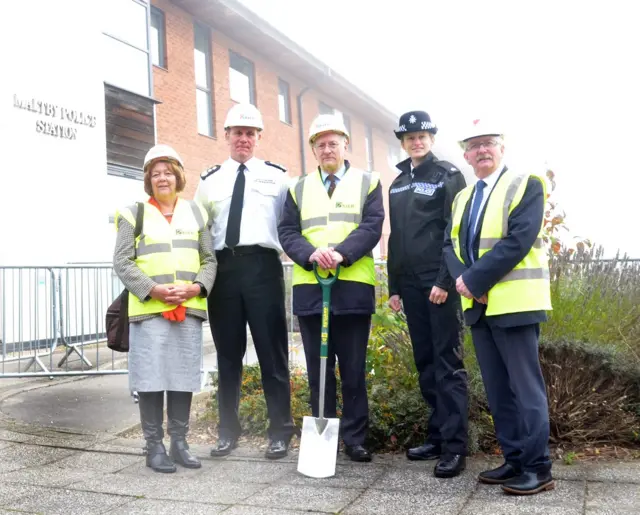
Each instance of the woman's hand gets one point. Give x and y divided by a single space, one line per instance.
164 293
183 292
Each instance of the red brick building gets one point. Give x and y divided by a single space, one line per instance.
208 54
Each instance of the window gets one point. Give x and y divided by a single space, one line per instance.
241 79
125 49
202 57
130 131
158 39
347 123
395 156
284 102
368 141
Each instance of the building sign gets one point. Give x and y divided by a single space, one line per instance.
55 119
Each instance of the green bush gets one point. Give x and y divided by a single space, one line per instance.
589 353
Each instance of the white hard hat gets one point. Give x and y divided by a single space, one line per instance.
479 128
244 115
159 151
327 123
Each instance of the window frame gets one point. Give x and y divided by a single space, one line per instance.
236 59
208 89
158 14
287 101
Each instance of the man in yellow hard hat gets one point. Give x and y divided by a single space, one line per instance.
332 217
494 251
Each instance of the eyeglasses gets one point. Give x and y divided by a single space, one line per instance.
331 146
477 145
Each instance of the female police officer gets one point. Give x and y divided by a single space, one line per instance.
420 201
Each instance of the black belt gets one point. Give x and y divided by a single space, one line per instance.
244 250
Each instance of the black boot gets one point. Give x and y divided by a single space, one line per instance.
151 416
178 410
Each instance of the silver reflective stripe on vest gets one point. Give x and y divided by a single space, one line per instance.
184 275
185 244
526 273
313 222
489 243
163 279
511 193
197 213
298 190
345 217
151 248
364 191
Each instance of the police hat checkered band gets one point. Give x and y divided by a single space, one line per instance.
402 128
425 126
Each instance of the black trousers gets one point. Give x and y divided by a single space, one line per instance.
249 288
510 368
348 339
435 331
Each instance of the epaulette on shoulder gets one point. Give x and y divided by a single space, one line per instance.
276 165
448 167
209 171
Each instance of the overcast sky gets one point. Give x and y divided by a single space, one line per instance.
561 77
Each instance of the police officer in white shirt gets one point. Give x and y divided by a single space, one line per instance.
245 196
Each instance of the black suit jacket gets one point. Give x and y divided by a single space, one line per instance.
482 274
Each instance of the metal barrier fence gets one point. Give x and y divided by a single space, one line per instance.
52 320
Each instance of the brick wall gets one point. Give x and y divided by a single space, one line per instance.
176 120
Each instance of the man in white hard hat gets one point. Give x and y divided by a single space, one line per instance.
495 252
334 217
245 196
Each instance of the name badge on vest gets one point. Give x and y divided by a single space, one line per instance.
426 188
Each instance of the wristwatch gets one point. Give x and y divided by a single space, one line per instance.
203 290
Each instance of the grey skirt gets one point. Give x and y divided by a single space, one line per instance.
165 355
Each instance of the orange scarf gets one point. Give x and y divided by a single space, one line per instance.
179 313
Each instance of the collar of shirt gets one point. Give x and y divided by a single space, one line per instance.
491 181
251 163
339 175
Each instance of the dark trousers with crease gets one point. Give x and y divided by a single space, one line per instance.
250 289
510 368
435 331
348 339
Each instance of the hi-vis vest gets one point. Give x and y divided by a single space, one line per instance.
326 222
526 287
167 252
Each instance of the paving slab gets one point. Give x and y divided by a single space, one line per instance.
140 469
567 495
358 476
615 497
295 497
134 486
19 457
153 507
378 502
628 472
245 471
207 491
257 510
48 475
65 502
102 461
420 478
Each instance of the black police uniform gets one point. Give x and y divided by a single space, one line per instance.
420 201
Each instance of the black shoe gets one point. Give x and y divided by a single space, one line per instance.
157 458
499 475
450 465
357 453
277 449
224 447
428 451
180 454
528 483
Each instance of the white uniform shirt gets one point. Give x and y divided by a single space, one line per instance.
265 191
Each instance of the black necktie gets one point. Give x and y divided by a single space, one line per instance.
235 210
332 184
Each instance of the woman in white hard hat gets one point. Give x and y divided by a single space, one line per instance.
164 257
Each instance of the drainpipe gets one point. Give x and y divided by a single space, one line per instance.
303 143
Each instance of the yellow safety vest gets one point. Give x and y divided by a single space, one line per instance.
326 222
167 252
526 287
